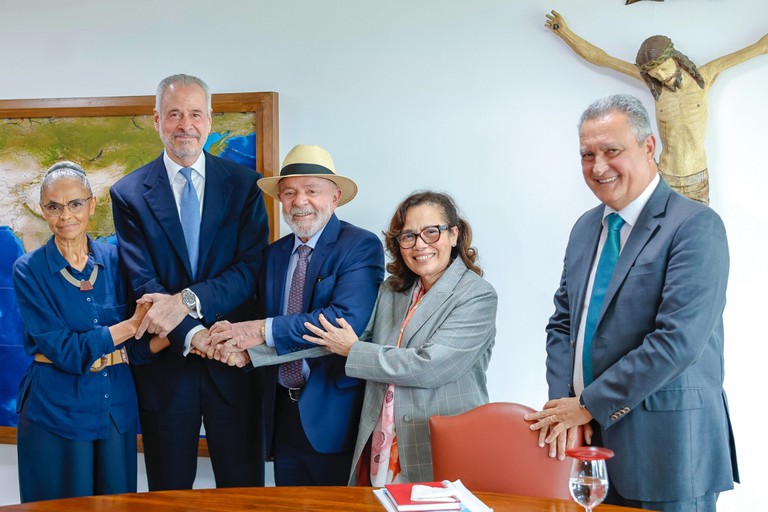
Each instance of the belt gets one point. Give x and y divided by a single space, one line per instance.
116 357
293 393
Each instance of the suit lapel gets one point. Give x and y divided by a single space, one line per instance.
400 304
647 224
433 300
322 247
583 258
277 267
160 201
217 193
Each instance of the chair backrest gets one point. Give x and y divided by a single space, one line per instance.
491 448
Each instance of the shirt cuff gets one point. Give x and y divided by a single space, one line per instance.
268 339
188 338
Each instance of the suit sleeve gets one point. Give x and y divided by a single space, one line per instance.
136 263
449 352
132 241
691 304
559 346
262 355
354 293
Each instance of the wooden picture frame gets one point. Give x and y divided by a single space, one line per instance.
263 104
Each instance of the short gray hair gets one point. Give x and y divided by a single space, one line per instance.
62 170
182 80
626 104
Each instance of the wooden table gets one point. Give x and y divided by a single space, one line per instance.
352 499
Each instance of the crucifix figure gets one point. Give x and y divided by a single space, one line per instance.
679 89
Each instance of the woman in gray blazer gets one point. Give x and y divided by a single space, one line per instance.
431 335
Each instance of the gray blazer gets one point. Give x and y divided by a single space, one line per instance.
657 351
439 369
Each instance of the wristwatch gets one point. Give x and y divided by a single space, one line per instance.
189 299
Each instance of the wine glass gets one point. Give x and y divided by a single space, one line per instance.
588 482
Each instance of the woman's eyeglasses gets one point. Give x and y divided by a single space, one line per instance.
75 206
429 234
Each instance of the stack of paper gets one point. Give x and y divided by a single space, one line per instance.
429 496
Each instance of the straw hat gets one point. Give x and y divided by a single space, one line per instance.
307 160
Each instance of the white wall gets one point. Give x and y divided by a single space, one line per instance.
474 98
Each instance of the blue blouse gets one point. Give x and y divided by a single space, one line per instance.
71 328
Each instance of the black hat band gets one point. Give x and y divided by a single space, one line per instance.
293 169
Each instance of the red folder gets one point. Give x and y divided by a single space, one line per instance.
400 495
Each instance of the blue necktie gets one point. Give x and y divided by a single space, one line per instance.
190 219
602 278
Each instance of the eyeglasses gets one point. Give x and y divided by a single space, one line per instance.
75 206
429 234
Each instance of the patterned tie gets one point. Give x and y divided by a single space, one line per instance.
190 219
602 277
290 373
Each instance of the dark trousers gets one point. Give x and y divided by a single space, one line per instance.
52 467
171 436
296 461
706 503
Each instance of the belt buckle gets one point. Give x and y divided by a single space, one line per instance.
294 394
124 354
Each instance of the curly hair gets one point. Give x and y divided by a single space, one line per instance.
654 51
402 277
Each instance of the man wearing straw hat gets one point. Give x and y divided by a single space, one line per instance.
326 266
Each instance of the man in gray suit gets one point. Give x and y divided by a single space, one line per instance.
635 346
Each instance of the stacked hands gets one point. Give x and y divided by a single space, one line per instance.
560 423
225 341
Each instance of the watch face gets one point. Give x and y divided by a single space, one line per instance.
188 298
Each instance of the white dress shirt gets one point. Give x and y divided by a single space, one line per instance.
178 181
630 214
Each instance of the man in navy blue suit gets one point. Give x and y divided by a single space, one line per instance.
326 266
191 229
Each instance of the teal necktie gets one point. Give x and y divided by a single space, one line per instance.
190 219
602 278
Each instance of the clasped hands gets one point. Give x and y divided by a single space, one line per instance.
227 342
558 425
224 341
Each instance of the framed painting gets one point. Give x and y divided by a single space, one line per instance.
109 137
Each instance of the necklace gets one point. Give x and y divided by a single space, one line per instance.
85 286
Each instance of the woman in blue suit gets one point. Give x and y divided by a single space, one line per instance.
77 402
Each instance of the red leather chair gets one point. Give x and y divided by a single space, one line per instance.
492 449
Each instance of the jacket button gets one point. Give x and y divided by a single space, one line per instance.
614 416
407 419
